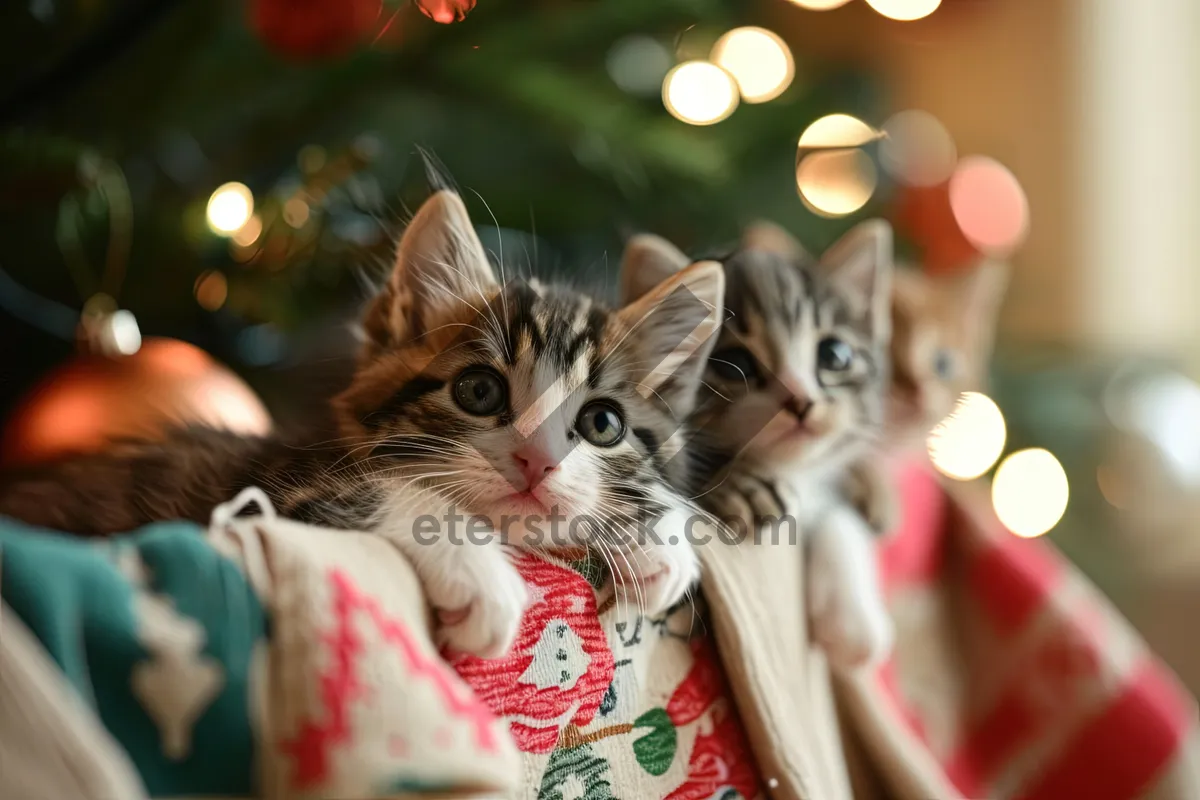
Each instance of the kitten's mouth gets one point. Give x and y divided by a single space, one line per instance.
527 498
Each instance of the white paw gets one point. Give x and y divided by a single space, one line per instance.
479 598
853 629
654 577
849 616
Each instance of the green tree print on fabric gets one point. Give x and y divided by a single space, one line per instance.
83 602
576 773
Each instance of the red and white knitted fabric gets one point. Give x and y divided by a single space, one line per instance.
1012 671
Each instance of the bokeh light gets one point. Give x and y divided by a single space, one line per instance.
837 131
1165 410
699 93
917 149
989 205
759 61
638 63
248 234
211 290
1030 492
905 10
296 212
229 208
820 5
124 333
968 441
833 176
835 183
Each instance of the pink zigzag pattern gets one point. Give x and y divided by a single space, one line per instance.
311 746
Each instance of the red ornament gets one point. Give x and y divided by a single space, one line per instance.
84 405
310 29
445 11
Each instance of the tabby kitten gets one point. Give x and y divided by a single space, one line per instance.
794 396
520 403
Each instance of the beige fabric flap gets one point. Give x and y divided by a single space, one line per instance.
780 683
51 745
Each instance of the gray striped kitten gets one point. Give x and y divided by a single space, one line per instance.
521 407
793 397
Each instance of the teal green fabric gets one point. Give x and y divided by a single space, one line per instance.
81 607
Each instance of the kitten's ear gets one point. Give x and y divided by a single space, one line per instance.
910 287
673 328
648 261
977 297
860 264
440 265
767 237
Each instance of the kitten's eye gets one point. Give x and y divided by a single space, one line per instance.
834 355
480 392
601 424
943 364
734 364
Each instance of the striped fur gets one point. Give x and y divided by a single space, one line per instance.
406 436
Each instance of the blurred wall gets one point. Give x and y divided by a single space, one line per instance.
1094 105
1138 135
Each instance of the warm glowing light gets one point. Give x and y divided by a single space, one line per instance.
905 10
638 63
211 290
248 234
445 11
834 183
229 208
758 60
125 335
295 212
699 93
836 131
989 205
1165 409
917 149
1030 492
968 441
820 5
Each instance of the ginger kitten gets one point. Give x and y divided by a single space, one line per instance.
516 405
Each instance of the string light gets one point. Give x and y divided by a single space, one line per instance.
1030 492
989 205
820 5
211 290
124 331
968 441
699 93
248 234
917 149
905 10
295 212
833 175
837 130
835 183
759 61
229 208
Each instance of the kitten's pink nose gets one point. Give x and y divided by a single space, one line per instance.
534 464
